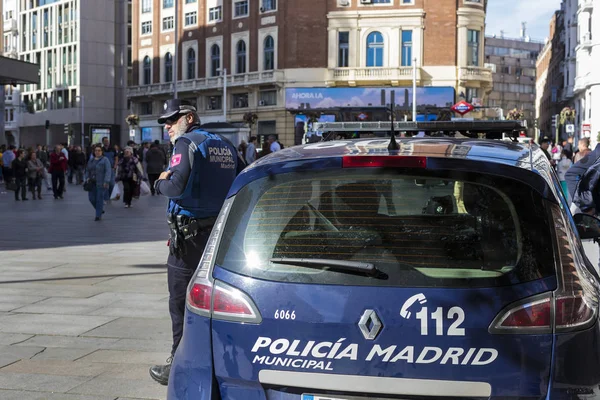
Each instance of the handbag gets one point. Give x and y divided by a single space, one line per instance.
88 186
136 190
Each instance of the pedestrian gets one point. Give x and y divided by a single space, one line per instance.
97 175
35 173
242 151
568 147
58 168
130 173
157 161
19 169
561 169
583 149
78 164
196 184
251 150
273 144
8 157
44 157
113 158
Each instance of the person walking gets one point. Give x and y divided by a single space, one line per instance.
19 168
130 173
583 149
196 187
58 167
78 164
251 150
97 175
113 158
44 157
35 173
157 161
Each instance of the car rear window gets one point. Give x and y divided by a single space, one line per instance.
427 229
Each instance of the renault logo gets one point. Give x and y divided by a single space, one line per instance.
369 324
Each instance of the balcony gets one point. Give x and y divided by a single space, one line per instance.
585 43
581 84
585 6
381 75
469 74
196 85
10 25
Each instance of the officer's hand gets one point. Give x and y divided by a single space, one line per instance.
165 175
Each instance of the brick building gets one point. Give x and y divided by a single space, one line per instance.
286 57
550 88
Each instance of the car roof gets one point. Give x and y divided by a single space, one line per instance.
525 156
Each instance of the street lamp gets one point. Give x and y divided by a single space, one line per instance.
224 74
81 99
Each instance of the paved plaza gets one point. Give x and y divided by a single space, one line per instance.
83 304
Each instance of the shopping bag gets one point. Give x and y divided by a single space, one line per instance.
117 191
144 188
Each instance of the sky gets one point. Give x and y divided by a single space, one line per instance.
507 15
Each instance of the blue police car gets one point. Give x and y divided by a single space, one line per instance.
341 270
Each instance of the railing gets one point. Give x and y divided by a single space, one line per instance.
374 73
206 83
475 73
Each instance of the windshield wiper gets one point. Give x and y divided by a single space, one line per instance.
338 265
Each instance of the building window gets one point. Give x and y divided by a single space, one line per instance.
240 9
214 14
146 27
375 49
472 93
191 18
473 48
269 53
240 55
215 60
190 1
167 3
269 5
268 98
407 48
191 63
240 100
168 67
343 48
381 1
146 6
168 24
214 102
146 108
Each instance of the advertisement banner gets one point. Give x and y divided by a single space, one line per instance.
335 98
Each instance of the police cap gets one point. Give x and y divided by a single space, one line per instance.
174 108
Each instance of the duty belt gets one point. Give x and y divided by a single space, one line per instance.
188 227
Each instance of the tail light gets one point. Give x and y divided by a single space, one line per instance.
387 161
216 299
572 306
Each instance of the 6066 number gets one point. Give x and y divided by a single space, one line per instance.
285 314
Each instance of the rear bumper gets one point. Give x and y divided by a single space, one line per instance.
192 375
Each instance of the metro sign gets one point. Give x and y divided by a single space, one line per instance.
462 108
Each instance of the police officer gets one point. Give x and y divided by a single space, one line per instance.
201 170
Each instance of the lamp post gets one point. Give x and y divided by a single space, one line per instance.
414 93
82 106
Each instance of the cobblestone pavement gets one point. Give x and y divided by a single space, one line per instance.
83 304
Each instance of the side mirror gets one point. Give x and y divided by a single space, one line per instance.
588 226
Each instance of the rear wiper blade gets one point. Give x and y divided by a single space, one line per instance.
338 265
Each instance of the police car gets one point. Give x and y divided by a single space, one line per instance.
342 270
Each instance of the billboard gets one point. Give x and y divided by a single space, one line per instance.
324 98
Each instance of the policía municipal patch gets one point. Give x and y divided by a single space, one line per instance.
175 160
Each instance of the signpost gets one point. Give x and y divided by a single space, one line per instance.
587 130
462 108
570 128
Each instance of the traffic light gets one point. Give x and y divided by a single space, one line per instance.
555 120
47 124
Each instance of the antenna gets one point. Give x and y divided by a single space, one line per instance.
523 30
